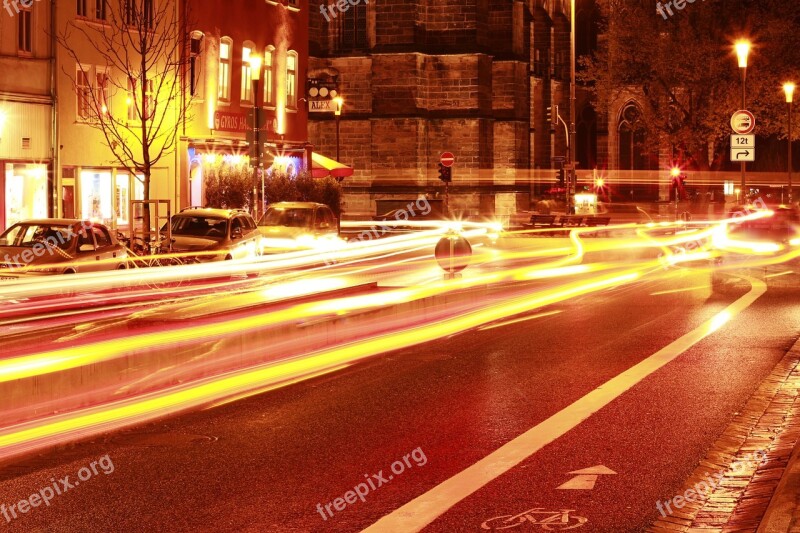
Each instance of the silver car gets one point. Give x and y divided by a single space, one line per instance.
296 226
58 246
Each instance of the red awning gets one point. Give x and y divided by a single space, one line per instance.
322 167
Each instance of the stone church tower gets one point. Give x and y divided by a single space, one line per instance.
474 77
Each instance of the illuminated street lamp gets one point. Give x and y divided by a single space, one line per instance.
339 101
788 89
742 51
255 76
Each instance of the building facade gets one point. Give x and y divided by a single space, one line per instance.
475 78
225 42
27 182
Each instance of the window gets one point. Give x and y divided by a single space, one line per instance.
247 84
82 8
353 27
83 89
134 18
135 101
24 27
101 91
196 71
291 79
269 76
100 9
224 85
101 237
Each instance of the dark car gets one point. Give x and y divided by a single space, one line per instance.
215 234
58 246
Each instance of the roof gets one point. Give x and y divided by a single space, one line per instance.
56 221
296 205
210 211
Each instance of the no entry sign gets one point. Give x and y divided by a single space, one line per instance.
447 159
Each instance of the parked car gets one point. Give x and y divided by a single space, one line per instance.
58 246
297 225
207 234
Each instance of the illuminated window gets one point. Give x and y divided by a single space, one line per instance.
291 79
247 83
83 89
224 86
269 76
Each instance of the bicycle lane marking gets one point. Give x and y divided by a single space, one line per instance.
424 509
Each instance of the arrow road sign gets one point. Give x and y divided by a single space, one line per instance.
743 154
743 122
586 478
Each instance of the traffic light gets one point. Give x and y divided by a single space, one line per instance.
445 173
552 114
561 177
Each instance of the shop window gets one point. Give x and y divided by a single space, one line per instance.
96 202
25 192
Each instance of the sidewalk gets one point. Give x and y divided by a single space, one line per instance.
750 495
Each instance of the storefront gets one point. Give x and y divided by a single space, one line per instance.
103 194
26 185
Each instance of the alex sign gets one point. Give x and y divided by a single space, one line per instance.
321 106
234 122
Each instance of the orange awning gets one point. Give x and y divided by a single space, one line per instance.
322 167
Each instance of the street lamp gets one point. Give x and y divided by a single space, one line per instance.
742 51
788 89
339 101
572 145
255 76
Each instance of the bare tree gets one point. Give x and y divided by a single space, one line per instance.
140 43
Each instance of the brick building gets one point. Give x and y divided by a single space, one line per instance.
474 77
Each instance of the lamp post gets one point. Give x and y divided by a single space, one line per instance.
339 101
255 76
742 51
571 180
788 89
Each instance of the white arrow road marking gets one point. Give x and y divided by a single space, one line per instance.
586 478
424 509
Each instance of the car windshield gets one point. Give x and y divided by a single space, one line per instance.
28 235
210 227
291 217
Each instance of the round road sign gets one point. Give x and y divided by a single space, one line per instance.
447 159
743 122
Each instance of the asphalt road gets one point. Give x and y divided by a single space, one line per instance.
266 462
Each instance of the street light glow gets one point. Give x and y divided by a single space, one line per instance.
742 51
339 101
675 172
255 67
788 89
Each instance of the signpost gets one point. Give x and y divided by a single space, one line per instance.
743 145
446 160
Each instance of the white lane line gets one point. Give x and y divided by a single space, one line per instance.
518 320
424 509
785 273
